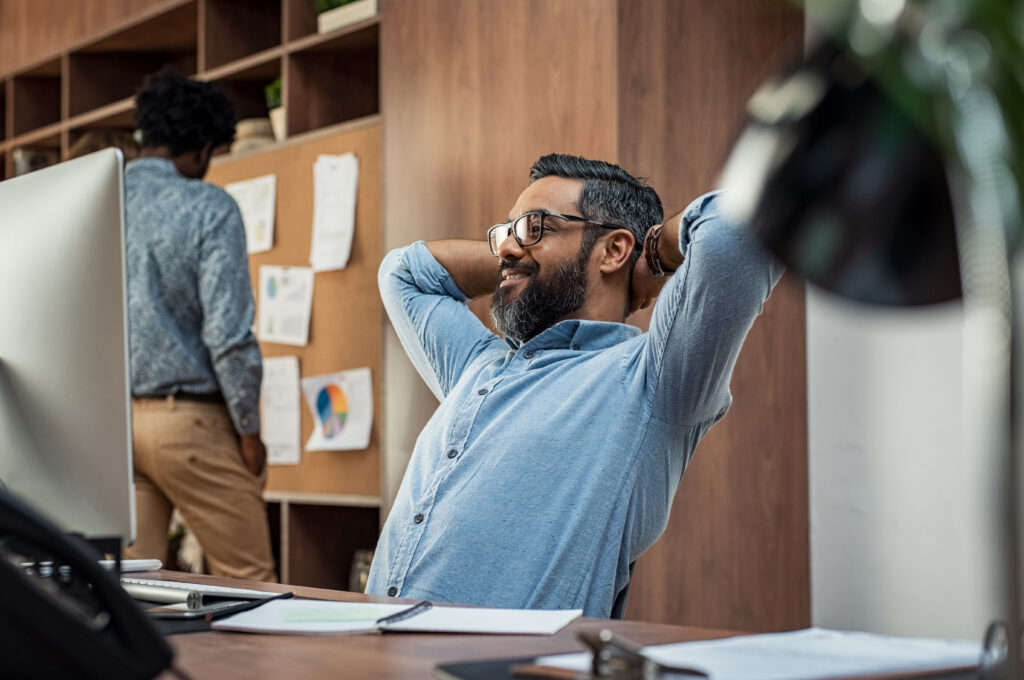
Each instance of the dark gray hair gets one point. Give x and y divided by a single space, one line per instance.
610 194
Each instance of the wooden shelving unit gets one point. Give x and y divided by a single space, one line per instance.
242 44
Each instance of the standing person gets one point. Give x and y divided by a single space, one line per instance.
196 366
551 464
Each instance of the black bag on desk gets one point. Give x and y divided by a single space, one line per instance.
77 622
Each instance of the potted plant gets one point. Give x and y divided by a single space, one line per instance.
278 123
326 5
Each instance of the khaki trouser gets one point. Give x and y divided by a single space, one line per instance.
187 457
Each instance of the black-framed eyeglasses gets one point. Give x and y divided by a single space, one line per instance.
528 228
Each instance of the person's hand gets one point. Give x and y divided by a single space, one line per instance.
645 286
253 453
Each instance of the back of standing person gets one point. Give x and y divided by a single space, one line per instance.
196 366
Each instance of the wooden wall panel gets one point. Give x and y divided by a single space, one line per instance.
735 554
31 30
475 92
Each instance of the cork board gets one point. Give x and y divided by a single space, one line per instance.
346 327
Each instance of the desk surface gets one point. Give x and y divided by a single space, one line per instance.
391 655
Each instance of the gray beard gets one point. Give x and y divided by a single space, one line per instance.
542 302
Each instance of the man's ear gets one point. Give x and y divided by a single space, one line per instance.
616 251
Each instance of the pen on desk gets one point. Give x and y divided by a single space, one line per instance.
412 611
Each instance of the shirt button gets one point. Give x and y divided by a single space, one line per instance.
528 354
418 518
392 591
452 453
575 346
482 391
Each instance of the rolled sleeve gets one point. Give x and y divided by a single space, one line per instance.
438 331
704 313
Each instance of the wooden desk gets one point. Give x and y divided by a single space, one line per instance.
390 655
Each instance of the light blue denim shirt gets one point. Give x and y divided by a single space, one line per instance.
548 468
190 302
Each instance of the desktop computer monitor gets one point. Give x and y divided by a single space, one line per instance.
65 425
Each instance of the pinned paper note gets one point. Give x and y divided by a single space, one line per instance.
280 410
256 199
342 408
286 304
335 181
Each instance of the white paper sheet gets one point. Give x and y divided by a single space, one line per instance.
335 182
309 617
256 198
286 303
318 617
279 410
342 408
810 654
486 620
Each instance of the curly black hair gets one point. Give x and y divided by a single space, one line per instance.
182 114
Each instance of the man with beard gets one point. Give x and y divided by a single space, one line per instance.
552 461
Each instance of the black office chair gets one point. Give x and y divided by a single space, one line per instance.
619 606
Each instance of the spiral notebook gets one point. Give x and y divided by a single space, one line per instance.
320 617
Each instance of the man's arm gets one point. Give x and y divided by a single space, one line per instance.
645 286
470 264
225 292
424 295
704 312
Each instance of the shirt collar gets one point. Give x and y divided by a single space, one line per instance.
579 334
161 166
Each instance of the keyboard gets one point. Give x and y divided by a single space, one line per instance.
196 594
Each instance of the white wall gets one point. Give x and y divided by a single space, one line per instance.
901 539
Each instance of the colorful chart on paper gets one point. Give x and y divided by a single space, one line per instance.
332 406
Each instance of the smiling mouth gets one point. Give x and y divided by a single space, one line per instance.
511 275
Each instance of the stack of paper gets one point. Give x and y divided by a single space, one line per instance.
809 654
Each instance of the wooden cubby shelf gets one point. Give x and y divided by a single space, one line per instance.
35 98
243 45
316 536
236 29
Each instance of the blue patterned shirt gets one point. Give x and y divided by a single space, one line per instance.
550 467
190 301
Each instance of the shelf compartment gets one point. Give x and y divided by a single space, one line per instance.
113 67
99 79
300 19
333 78
174 30
362 34
321 541
235 29
244 82
35 97
44 143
